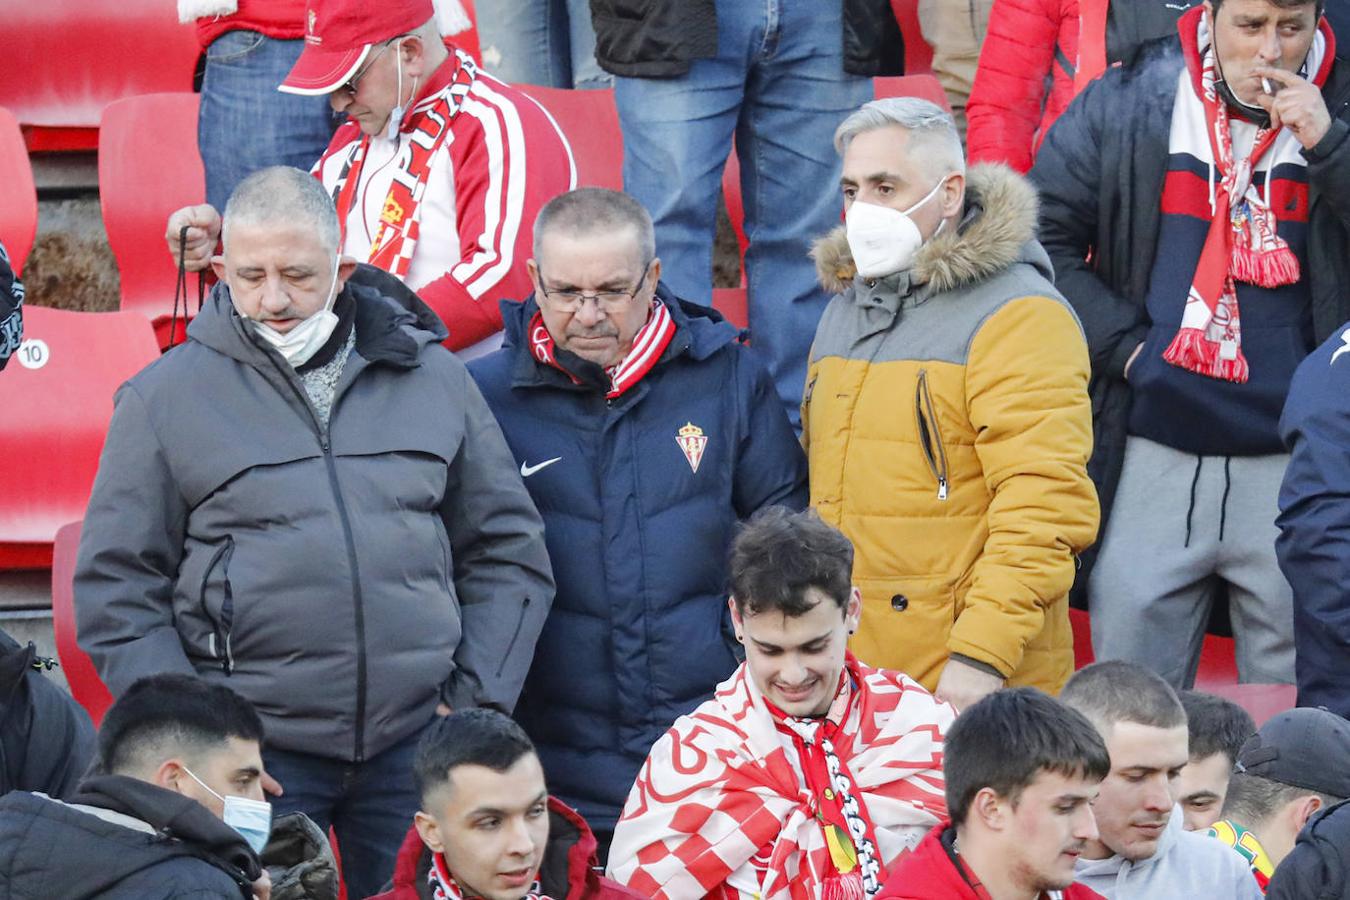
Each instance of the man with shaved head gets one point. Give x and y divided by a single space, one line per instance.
310 502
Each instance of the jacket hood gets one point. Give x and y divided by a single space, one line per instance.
392 322
568 871
929 871
1000 219
700 331
1318 868
1112 865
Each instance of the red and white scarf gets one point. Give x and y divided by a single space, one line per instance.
649 343
726 792
426 127
1242 243
444 887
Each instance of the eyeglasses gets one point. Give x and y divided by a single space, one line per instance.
350 85
609 301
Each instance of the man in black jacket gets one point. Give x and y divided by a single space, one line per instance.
779 77
11 309
1229 148
175 810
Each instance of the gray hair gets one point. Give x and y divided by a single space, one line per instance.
283 195
1117 691
592 210
930 127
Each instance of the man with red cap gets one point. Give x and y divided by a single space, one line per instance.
432 144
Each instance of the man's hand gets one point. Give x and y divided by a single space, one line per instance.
442 710
962 685
1297 104
270 785
262 888
203 231
1133 356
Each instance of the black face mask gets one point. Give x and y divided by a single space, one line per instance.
1251 113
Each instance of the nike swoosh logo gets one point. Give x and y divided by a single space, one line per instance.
1345 339
527 470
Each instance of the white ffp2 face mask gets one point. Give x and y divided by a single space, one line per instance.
251 818
305 339
883 241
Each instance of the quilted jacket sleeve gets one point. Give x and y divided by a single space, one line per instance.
1026 395
1011 83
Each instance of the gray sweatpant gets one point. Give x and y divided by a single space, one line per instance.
1182 525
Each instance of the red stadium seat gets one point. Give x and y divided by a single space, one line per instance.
57 396
925 87
18 211
467 40
148 167
731 302
65 60
590 121
85 685
1082 638
1260 700
918 55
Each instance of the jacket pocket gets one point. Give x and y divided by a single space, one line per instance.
515 636
930 435
220 638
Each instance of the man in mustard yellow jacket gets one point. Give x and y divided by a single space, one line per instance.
946 414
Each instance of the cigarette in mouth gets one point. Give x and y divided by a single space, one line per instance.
1265 85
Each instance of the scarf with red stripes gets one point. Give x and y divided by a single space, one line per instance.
444 887
728 805
1242 243
648 345
425 130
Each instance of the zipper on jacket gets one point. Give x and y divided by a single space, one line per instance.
930 438
511 645
222 630
358 601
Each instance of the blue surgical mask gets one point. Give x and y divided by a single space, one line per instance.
251 818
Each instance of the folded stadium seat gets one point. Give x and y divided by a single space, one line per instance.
1261 701
148 167
19 211
67 59
918 55
731 302
1082 638
57 396
925 87
85 685
590 122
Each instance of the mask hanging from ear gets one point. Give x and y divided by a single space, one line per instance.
305 339
883 241
251 818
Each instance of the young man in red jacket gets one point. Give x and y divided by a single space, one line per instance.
488 827
1022 771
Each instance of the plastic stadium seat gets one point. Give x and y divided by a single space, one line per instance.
923 86
57 396
148 167
918 55
590 121
1260 700
85 685
65 60
731 302
1082 638
19 211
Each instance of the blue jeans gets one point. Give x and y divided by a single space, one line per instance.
369 804
548 42
778 84
245 123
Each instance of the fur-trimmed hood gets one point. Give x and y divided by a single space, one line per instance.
1000 219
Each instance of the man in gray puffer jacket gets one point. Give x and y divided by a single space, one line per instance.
310 502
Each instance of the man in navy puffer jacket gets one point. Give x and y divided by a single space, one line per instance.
645 430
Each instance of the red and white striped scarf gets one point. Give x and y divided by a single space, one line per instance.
648 345
444 886
426 128
1242 243
726 792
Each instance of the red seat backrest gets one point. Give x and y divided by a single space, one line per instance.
148 167
590 121
925 87
18 210
65 60
1261 701
85 685
918 54
57 394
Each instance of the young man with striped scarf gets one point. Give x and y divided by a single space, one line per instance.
808 775
1197 209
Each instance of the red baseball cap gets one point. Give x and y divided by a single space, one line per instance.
339 35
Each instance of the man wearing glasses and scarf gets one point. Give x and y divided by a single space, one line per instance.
645 431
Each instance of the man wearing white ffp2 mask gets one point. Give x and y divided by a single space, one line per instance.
948 369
